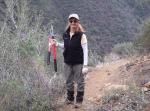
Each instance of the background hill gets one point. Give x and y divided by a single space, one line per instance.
107 22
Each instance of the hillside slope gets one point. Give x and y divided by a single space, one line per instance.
106 22
111 87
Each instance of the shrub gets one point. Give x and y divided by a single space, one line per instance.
25 83
123 100
125 49
143 41
94 58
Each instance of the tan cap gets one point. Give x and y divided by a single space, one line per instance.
74 15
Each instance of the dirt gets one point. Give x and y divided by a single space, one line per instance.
114 75
96 81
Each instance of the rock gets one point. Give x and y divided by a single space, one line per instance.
91 99
123 87
107 84
108 74
147 85
145 89
147 108
129 65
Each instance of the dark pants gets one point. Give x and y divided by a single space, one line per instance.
73 74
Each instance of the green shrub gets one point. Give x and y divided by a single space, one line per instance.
123 100
94 58
27 48
15 96
125 49
25 83
143 41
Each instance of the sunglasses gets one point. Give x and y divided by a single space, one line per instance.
75 21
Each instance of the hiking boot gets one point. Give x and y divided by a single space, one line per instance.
78 105
79 97
70 97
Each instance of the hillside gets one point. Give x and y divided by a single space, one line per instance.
117 86
106 22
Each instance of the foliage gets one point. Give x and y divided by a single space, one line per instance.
125 49
94 58
106 22
25 84
141 7
27 48
144 36
123 100
16 97
114 22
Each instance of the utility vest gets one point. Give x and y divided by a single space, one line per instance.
73 52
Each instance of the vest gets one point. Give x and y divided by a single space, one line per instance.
73 52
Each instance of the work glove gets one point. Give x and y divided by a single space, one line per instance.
58 44
55 42
84 70
52 42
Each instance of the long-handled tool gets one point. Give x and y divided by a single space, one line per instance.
52 50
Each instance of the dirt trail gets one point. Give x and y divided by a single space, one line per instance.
99 78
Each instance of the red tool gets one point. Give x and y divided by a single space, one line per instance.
52 49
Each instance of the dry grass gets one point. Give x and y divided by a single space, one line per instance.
25 86
121 100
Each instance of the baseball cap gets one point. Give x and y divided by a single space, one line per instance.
74 15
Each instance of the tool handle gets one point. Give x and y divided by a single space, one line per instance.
55 65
